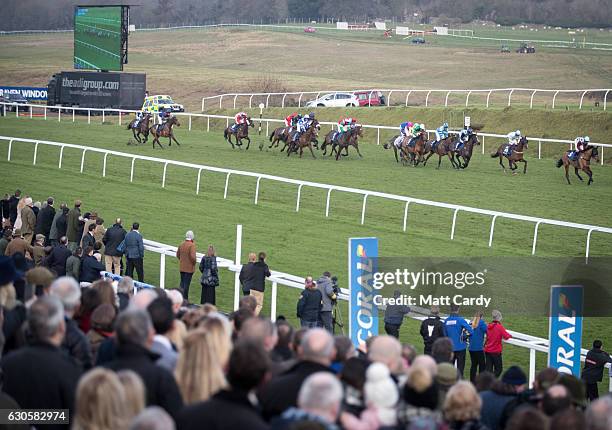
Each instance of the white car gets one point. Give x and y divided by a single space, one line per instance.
335 100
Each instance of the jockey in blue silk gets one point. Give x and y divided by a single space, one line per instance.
514 137
580 144
139 116
463 137
164 116
441 134
303 124
405 128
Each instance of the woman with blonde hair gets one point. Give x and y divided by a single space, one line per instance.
107 293
20 205
220 333
210 276
100 402
134 392
199 373
462 407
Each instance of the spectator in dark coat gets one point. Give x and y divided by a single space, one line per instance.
134 252
592 373
432 328
73 263
44 220
246 275
134 334
90 267
326 287
58 228
73 226
162 316
13 202
281 392
259 273
75 343
210 277
56 261
5 238
88 238
41 376
310 304
394 316
231 408
494 401
112 238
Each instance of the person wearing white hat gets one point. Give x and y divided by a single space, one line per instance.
28 221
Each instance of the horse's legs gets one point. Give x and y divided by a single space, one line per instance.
395 150
590 173
229 140
174 138
501 162
427 158
311 151
576 173
248 142
135 135
525 168
567 173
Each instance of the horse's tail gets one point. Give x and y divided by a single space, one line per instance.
386 146
129 126
225 134
272 135
559 162
494 154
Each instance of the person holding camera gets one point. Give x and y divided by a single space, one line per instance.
310 304
328 290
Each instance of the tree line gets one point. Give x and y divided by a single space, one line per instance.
58 14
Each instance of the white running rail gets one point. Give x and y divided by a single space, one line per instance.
589 229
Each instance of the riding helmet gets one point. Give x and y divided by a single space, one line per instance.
587 139
311 115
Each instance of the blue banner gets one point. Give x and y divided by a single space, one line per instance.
117 278
29 93
565 328
363 313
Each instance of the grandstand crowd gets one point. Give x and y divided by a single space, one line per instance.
121 358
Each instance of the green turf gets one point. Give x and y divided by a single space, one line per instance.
306 242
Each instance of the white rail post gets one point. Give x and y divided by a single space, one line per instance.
267 100
267 128
408 95
45 110
273 301
539 149
588 245
531 99
492 230
427 99
132 170
189 122
198 181
510 97
226 185
3 109
532 366
446 99
488 97
378 135
299 193
162 270
31 109
8 158
452 236
535 237
203 104
83 159
226 122
363 208
164 175
601 156
554 99
482 145
61 156
73 111
300 100
121 115
88 116
582 98
220 101
103 165
406 215
103 116
59 115
327 203
467 98
16 111
207 123
235 97
250 101
257 190
283 100
389 98
35 154
237 263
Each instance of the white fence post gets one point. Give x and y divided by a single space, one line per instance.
606 99
531 99
489 96
189 122
226 185
237 263
581 99
452 235
257 190
446 99
162 271
554 99
378 135
535 237
59 165
427 99
363 208
45 110
103 165
408 95
35 154
273 301
327 204
299 193
83 159
8 158
492 230
467 98
132 170
539 149
103 116
73 110
198 181
406 215
588 245
59 115
532 366
510 97
164 175
207 123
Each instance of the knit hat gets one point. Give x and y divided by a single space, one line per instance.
379 389
447 374
514 376
575 387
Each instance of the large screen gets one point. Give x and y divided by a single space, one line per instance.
98 38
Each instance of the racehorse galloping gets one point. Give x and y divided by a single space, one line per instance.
305 140
444 147
465 151
411 151
241 132
353 135
165 131
280 134
581 162
142 129
515 156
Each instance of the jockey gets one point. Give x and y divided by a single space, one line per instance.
463 137
514 137
415 131
441 132
405 128
239 118
289 120
139 116
581 143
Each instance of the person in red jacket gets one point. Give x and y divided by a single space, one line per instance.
493 346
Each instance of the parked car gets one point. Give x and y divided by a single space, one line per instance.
335 100
526 49
14 99
154 104
370 98
418 40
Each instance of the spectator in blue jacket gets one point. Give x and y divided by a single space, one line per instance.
477 355
456 327
134 252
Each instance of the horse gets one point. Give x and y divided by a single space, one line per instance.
391 144
242 132
165 131
142 129
305 140
407 150
582 162
444 147
515 155
465 152
353 135
280 134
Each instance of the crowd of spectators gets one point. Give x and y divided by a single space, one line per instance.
121 358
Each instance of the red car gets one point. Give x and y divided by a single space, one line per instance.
370 98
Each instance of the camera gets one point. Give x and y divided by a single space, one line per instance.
336 289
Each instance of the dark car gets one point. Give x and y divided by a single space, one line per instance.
14 100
